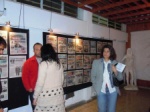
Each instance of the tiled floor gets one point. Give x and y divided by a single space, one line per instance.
129 101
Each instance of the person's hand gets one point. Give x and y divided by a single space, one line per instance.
1 110
34 101
114 69
30 90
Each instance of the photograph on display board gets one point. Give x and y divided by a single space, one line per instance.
93 46
87 61
71 62
15 66
110 43
4 35
63 60
52 39
18 43
78 77
79 46
86 76
4 94
105 43
79 61
65 79
99 46
70 78
3 66
71 45
62 45
93 57
98 56
86 46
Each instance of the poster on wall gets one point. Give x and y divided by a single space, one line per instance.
3 66
87 61
79 46
70 78
110 43
62 45
4 94
93 46
104 43
51 39
93 57
71 45
18 43
78 77
71 62
86 46
4 35
65 79
99 46
15 66
86 76
63 60
79 61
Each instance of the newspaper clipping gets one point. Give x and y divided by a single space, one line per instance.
71 45
51 39
79 46
86 46
4 94
70 78
62 45
79 61
65 79
3 66
4 35
99 46
18 43
15 65
93 46
63 60
87 61
71 62
86 76
78 77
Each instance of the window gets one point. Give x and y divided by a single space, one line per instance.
104 21
70 10
52 5
30 2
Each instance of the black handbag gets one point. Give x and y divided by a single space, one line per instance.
116 82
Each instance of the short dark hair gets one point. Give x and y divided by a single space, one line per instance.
48 53
2 41
112 52
36 44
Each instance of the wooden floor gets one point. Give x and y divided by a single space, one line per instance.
129 101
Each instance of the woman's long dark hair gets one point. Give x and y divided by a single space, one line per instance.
112 52
48 54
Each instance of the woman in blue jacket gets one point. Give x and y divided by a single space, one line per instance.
102 73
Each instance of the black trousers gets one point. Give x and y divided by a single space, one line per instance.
31 99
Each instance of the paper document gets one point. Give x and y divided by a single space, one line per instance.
120 67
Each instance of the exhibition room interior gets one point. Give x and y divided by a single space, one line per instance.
77 29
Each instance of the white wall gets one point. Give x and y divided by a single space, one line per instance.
38 21
140 44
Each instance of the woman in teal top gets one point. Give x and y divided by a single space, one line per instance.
102 73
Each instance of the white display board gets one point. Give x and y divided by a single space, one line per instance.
140 44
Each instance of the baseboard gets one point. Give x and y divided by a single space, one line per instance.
143 83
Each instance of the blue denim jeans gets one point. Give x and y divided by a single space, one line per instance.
31 98
107 101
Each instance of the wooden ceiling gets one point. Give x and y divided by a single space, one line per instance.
122 11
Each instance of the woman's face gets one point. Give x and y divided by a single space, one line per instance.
106 53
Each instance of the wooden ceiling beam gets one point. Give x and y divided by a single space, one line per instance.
113 5
87 2
138 22
134 18
130 15
126 10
